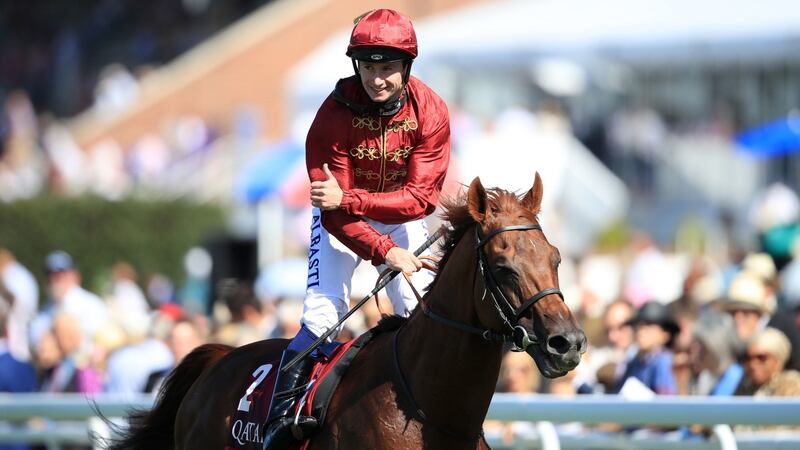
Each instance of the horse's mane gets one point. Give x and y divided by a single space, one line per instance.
456 212
389 322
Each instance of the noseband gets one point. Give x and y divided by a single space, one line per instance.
515 333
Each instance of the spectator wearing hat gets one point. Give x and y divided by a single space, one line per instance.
655 329
765 367
752 305
766 374
69 297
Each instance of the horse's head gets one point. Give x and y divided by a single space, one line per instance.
521 276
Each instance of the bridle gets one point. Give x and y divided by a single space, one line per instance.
514 332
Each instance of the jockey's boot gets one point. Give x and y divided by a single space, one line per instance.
281 430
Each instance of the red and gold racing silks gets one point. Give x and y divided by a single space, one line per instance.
391 168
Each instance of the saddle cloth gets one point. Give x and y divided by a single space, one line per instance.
246 429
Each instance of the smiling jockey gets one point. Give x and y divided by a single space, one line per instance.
377 155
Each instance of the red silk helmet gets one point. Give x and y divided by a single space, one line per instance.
382 35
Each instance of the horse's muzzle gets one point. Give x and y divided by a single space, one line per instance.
565 349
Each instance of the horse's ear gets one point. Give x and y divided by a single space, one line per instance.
476 200
533 199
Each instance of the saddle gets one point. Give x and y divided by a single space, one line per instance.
246 425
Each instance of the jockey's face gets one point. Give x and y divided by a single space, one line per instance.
382 81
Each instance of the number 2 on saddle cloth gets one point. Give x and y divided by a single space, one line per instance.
246 429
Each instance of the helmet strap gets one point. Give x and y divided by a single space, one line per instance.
407 73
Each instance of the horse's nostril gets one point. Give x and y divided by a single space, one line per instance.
559 344
582 344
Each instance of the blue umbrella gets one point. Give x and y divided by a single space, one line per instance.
266 173
775 138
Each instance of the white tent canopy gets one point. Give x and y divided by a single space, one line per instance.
581 26
630 30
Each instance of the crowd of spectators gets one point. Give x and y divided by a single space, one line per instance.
38 155
733 329
740 341
56 64
126 339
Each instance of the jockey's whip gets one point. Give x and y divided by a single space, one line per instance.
433 238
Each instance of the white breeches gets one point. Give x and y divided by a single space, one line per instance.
330 271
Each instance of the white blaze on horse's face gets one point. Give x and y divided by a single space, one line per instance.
525 264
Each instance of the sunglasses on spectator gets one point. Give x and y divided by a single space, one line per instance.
746 312
760 357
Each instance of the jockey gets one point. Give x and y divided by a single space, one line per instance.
377 154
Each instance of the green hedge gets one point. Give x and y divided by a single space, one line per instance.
153 236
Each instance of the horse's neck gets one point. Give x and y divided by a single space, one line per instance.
452 373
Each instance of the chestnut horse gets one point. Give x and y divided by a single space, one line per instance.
426 384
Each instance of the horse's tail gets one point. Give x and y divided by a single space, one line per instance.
155 429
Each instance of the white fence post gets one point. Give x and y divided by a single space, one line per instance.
548 435
727 441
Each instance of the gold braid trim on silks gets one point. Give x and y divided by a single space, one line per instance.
393 175
401 152
367 122
405 125
368 174
363 151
